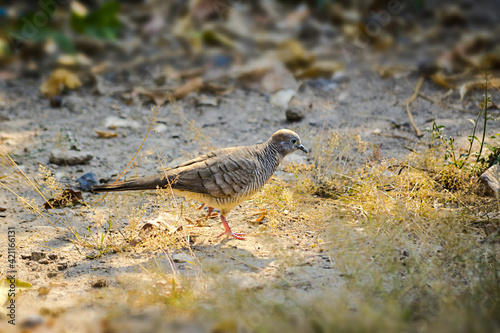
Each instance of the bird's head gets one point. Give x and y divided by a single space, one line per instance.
287 142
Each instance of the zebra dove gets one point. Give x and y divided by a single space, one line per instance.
223 178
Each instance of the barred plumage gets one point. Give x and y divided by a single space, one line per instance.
223 178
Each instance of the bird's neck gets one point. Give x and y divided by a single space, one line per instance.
271 157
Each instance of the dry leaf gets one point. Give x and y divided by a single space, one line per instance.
189 86
58 80
163 223
260 218
212 37
440 79
320 69
159 97
390 71
106 134
294 55
67 198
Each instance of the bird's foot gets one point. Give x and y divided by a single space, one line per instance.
227 230
229 233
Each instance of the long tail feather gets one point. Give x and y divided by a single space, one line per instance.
150 183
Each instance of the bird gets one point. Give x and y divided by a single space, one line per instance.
221 179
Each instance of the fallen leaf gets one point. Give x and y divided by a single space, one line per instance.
260 218
163 223
390 71
106 134
18 283
159 97
319 69
217 38
208 101
191 85
294 55
58 80
440 79
67 198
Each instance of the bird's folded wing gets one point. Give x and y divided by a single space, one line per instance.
222 174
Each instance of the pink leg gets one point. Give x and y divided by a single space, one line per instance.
227 230
210 210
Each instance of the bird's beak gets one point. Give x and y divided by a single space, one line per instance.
301 147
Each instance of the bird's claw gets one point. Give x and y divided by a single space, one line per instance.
229 233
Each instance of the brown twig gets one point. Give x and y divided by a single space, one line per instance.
408 102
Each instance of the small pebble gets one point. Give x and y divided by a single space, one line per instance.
42 291
294 113
62 266
113 122
491 178
31 322
87 181
99 284
36 256
56 101
69 157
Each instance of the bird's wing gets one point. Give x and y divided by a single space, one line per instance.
223 173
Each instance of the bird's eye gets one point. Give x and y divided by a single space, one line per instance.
293 141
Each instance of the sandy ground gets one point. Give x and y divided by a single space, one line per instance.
360 102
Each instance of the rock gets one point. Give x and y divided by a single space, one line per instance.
491 178
295 113
182 257
31 322
296 110
160 128
88 180
43 290
56 101
340 77
101 283
44 261
62 266
75 104
51 274
322 84
207 101
69 157
36 256
427 66
115 122
92 254
52 256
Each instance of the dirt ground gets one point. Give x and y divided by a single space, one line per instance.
358 101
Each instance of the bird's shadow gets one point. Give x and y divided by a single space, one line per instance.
220 258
